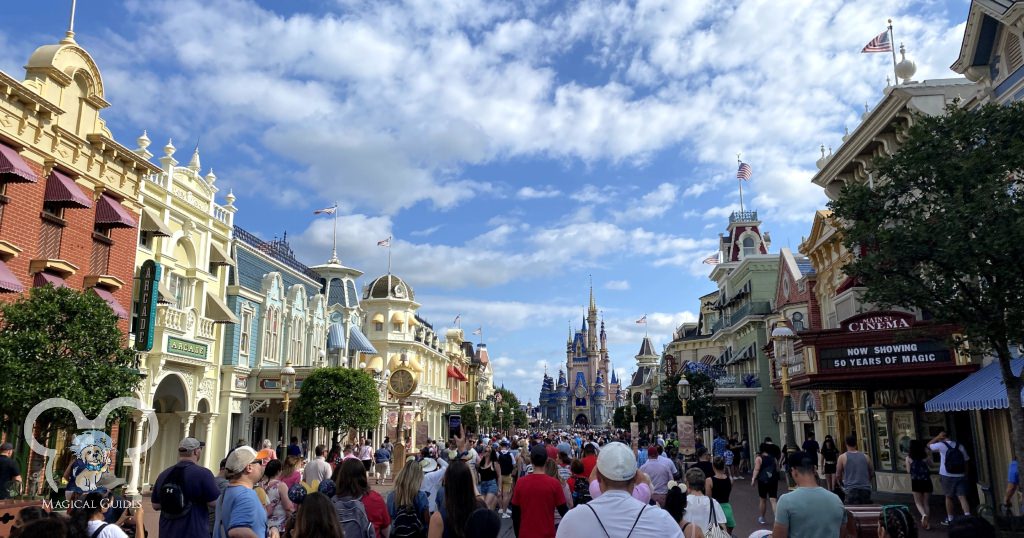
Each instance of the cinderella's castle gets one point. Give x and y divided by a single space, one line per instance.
587 396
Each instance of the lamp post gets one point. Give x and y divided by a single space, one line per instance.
501 418
476 409
287 380
782 337
654 413
683 391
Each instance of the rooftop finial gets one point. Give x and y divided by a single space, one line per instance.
69 36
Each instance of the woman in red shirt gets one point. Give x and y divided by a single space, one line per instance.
350 480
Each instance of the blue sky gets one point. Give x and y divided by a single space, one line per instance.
512 149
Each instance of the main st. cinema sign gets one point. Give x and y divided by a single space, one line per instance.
870 352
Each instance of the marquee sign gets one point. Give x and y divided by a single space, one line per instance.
878 321
861 357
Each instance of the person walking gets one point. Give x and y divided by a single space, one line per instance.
719 488
291 471
809 511
551 469
675 505
352 485
490 476
920 478
456 501
382 464
316 518
615 512
10 472
318 469
829 457
366 455
279 506
660 475
507 464
812 448
240 514
700 509
536 498
407 505
952 473
766 476
184 493
856 472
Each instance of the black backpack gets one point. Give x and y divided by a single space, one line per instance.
581 491
407 524
506 463
955 461
768 470
173 502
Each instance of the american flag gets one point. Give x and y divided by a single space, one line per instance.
711 260
384 242
880 43
326 211
479 331
457 318
643 320
744 172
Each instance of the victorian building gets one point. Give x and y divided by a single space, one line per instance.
179 312
69 192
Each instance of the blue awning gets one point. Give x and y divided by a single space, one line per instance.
336 336
983 389
360 342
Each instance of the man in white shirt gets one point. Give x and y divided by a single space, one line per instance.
433 472
616 512
318 469
954 484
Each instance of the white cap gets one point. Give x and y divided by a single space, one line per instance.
616 462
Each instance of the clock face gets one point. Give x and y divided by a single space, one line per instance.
581 392
336 317
399 291
402 383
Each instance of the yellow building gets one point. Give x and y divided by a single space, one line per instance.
187 234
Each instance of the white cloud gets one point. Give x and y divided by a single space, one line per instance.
592 194
426 232
651 205
617 285
530 193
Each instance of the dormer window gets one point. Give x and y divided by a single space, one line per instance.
749 246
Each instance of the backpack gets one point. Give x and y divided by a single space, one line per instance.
352 515
955 461
768 468
919 470
173 502
407 524
581 491
507 464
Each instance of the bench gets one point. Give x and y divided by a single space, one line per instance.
862 520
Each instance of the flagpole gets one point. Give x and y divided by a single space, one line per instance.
389 254
892 46
740 181
334 251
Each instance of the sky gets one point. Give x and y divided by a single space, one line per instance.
516 151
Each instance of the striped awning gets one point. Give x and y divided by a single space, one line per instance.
981 390
218 311
14 168
336 336
110 212
9 282
43 278
112 302
359 341
63 191
455 373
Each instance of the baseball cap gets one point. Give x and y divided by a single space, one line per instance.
539 450
244 455
6 446
616 462
189 444
652 451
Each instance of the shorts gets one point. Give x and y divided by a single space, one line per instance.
506 483
953 486
489 486
921 486
367 464
769 489
730 521
857 496
381 468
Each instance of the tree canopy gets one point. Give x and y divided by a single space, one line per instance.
942 230
337 399
700 406
60 342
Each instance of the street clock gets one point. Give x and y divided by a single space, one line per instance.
402 383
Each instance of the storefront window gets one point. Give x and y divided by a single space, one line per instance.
882 442
903 432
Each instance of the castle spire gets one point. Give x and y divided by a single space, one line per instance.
593 304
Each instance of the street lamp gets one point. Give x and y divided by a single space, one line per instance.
287 380
476 409
683 391
501 418
782 337
654 412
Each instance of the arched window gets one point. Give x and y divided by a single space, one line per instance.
749 246
798 321
298 332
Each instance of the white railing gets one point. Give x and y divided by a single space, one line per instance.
221 214
206 328
171 318
159 179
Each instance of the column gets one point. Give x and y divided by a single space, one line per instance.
135 440
208 451
187 418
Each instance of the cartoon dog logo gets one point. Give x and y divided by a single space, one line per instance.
92 450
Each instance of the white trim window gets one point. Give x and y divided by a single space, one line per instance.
244 333
298 333
271 326
181 287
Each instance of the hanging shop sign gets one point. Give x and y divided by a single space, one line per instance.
145 307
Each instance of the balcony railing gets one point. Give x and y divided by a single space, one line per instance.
743 216
751 308
171 318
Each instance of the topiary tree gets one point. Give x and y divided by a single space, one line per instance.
700 406
338 399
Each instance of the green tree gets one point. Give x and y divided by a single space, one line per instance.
469 416
701 405
624 415
514 416
59 342
338 399
942 230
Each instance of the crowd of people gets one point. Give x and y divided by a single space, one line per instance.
550 484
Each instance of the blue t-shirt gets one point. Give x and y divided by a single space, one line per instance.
200 489
240 507
1013 474
419 503
811 512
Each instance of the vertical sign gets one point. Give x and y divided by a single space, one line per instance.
634 435
145 307
421 433
684 430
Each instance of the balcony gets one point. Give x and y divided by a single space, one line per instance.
743 216
180 321
750 308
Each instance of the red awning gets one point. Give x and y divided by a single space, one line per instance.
14 168
9 282
62 190
454 372
114 305
110 212
44 278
